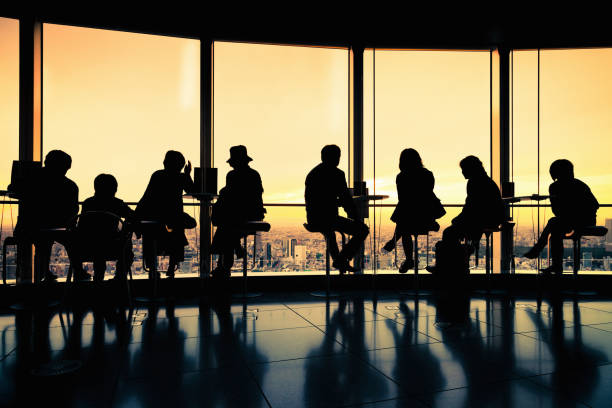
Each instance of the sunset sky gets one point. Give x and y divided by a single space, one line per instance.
117 101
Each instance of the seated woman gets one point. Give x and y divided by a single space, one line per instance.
574 207
104 228
417 207
163 202
239 201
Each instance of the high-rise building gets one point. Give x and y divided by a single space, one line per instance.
293 244
609 227
269 251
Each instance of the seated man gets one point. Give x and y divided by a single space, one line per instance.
102 229
162 201
574 207
326 189
483 208
48 200
239 201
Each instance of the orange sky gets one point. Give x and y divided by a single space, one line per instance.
117 101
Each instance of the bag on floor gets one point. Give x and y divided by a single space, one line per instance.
452 258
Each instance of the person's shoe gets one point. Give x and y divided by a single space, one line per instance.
533 253
551 269
343 266
49 277
406 265
390 245
431 269
220 273
82 276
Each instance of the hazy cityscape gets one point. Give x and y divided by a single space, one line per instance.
292 250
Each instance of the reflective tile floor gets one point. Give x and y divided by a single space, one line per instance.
296 350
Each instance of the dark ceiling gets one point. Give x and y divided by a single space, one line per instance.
434 26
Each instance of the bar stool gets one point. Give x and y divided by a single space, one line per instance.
576 236
327 292
415 240
8 241
246 229
150 227
488 232
88 239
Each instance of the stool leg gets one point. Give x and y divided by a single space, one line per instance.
244 267
327 267
4 263
416 261
154 274
576 256
487 254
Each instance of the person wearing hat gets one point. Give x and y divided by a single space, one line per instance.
162 201
239 201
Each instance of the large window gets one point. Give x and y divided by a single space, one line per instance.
561 107
9 123
284 103
116 102
437 102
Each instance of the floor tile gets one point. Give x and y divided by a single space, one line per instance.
322 382
590 385
275 345
228 387
505 394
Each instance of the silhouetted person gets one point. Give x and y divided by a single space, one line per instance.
417 207
326 189
239 201
47 200
163 202
483 208
574 207
107 239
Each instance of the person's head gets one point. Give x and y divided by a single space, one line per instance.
410 159
105 185
238 156
174 161
471 166
58 162
562 169
330 155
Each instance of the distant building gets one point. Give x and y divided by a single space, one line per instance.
587 260
293 244
299 254
269 251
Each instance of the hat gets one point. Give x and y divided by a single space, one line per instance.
238 154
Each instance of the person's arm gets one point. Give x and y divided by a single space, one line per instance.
402 189
345 198
188 184
469 204
555 200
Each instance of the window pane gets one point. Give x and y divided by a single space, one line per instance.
284 103
116 102
9 124
437 102
575 97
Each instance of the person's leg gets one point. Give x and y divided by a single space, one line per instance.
556 229
535 251
358 231
390 245
42 257
408 249
99 266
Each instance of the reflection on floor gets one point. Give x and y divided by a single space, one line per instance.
291 351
